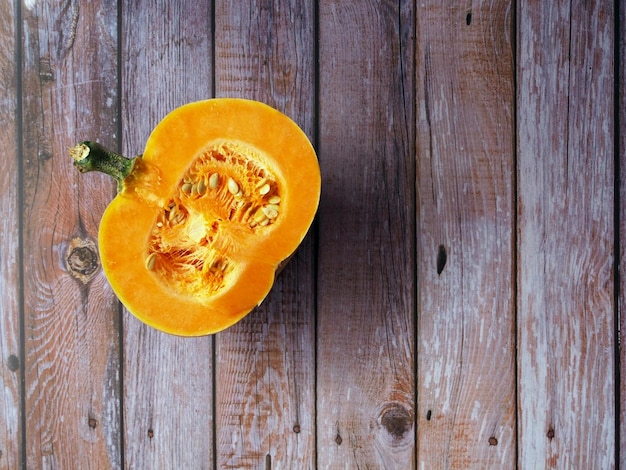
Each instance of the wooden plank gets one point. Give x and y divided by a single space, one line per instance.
566 235
465 174
621 234
366 280
168 380
10 287
265 371
70 316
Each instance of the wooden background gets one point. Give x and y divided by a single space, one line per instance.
457 303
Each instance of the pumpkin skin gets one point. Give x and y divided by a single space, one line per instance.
183 251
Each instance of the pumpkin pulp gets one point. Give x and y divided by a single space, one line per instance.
225 191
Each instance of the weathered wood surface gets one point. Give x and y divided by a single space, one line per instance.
620 212
366 305
566 293
10 347
265 365
457 303
70 323
168 380
465 232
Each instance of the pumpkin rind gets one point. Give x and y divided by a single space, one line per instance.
254 255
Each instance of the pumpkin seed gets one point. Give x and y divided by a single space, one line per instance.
233 187
259 215
274 200
151 261
270 212
214 180
263 190
187 187
180 216
201 187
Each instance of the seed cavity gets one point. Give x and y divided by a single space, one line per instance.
225 193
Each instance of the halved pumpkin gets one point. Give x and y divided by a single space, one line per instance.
224 193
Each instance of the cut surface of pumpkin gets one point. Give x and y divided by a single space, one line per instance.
224 193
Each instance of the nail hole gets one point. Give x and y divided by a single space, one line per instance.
468 18
429 415
268 462
93 423
296 428
150 433
338 439
442 258
550 433
493 441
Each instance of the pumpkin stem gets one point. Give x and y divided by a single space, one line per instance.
91 156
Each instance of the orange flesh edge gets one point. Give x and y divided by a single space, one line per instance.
127 223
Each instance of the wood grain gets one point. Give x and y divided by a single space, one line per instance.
566 308
10 288
265 369
465 236
168 380
366 280
70 316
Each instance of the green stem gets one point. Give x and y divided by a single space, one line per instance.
91 156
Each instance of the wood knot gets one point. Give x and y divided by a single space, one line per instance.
13 363
44 155
82 259
397 420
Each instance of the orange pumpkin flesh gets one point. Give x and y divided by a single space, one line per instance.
225 191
